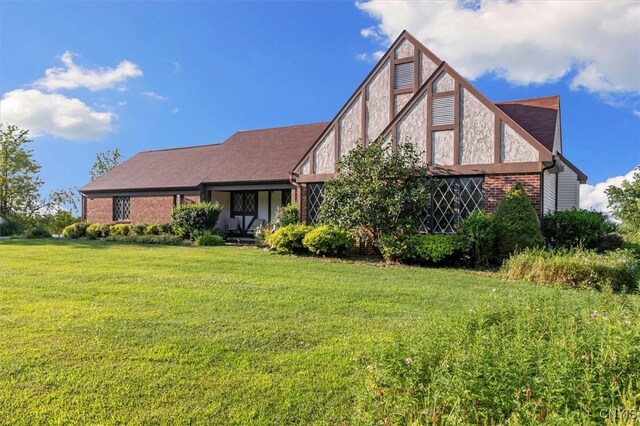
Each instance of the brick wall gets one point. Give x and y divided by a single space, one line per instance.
496 186
99 210
151 209
144 209
303 203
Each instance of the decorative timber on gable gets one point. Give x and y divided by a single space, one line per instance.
413 96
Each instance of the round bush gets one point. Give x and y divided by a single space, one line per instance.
288 239
76 230
328 240
517 223
575 228
477 237
152 229
120 229
209 239
138 229
192 219
286 215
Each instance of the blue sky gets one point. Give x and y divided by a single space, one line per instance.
197 71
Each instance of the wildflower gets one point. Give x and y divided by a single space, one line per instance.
408 361
594 314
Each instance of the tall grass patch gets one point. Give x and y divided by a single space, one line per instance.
510 361
616 271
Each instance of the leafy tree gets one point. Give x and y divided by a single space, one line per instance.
105 161
517 223
624 201
377 192
19 180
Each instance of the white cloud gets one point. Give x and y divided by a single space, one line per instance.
74 76
154 95
54 114
524 42
594 196
636 112
371 32
370 57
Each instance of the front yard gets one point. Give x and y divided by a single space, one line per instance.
98 332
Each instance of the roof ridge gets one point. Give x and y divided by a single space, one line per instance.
283 127
182 147
526 99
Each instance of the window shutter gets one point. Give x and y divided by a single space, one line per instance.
442 113
403 75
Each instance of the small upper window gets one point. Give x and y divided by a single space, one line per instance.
121 208
403 76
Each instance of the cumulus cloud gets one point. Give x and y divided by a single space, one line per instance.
73 76
370 57
154 95
524 42
594 196
54 114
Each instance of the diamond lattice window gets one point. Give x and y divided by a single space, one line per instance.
315 196
452 199
121 208
286 197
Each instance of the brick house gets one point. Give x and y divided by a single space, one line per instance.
477 148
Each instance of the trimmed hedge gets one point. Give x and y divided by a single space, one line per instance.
97 230
120 229
437 249
209 239
76 230
288 239
477 237
328 240
617 271
167 240
517 223
576 228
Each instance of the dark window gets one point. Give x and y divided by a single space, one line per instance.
403 76
286 197
315 195
452 199
121 208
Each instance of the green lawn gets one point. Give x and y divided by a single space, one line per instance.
96 332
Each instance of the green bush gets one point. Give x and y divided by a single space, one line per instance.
138 229
575 228
477 237
609 242
209 239
37 231
577 268
192 219
120 229
166 229
286 215
517 224
76 230
97 230
328 240
11 227
167 240
514 360
288 239
152 229
435 249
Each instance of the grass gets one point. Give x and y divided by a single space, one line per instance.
108 333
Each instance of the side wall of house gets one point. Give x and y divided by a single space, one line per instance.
496 187
143 208
568 189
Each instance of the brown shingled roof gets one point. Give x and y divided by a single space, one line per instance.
537 116
247 156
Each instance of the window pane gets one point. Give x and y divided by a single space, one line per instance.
444 211
470 195
315 191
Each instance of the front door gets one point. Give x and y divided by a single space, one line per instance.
244 206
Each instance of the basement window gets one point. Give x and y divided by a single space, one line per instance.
121 208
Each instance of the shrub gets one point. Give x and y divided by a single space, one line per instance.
328 240
37 231
286 215
209 239
192 219
11 227
609 242
577 268
288 239
167 240
76 230
166 229
152 229
477 237
262 235
120 229
514 360
517 224
97 230
138 229
434 249
574 228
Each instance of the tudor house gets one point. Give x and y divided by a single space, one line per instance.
477 148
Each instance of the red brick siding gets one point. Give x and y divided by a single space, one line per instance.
496 186
99 210
145 209
303 204
151 209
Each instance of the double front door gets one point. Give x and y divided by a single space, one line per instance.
244 207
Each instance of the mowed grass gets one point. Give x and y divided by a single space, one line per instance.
106 333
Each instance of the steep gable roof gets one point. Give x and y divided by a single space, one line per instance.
537 116
247 156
